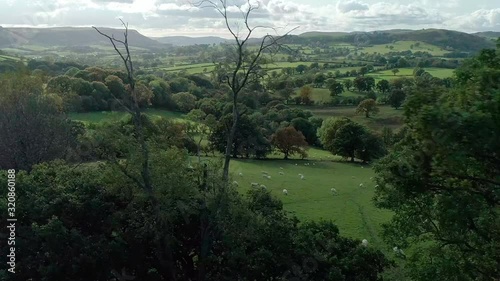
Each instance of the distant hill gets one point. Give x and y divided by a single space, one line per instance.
69 36
459 41
493 35
188 41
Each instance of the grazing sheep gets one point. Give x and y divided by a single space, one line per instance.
268 177
314 164
376 185
353 177
240 174
301 177
263 186
360 185
235 183
254 184
399 252
281 173
371 178
264 172
334 191
362 167
295 164
281 168
364 242
285 191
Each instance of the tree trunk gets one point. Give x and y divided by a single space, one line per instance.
229 143
367 114
286 156
352 158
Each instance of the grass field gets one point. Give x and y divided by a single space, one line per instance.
351 209
387 117
97 117
400 46
408 72
322 95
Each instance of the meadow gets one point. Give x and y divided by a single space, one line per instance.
401 46
351 209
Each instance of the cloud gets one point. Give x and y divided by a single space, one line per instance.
345 7
479 20
117 1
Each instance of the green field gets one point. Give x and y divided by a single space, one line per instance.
408 72
400 46
351 209
387 117
97 117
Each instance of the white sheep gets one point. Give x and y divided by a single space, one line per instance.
268 177
353 177
364 242
376 185
399 252
295 164
263 186
361 185
254 184
281 173
301 177
285 191
281 168
235 183
240 174
314 164
334 191
371 178
264 172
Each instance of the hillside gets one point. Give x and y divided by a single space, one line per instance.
446 39
493 35
188 41
68 37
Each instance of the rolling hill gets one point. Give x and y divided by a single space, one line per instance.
446 39
69 36
187 41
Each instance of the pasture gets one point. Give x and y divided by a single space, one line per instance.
387 116
408 72
351 209
401 46
111 116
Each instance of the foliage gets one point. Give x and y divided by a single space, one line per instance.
396 98
289 141
441 179
185 102
307 128
249 139
367 107
306 95
34 129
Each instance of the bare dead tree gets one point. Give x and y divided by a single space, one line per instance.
245 65
134 109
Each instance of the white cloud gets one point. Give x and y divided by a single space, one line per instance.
480 20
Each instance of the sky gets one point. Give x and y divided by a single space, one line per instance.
180 17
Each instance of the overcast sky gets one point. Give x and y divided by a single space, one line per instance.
178 17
